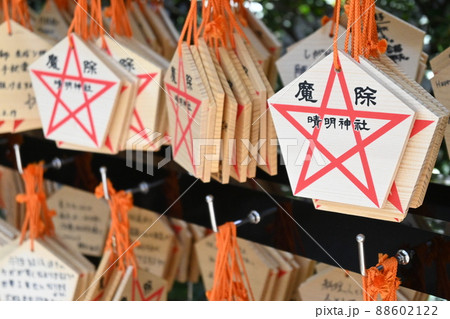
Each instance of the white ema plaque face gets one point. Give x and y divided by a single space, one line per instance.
342 134
76 93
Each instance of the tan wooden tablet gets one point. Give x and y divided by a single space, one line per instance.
228 126
187 105
335 128
239 153
427 131
17 97
34 276
50 22
156 239
76 93
82 221
303 54
405 41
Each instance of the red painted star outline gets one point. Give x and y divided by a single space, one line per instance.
393 120
187 129
156 296
146 79
72 51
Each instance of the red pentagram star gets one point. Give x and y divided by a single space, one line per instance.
140 128
153 297
72 53
182 138
361 143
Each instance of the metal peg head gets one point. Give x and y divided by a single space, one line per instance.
144 188
360 238
403 257
209 198
362 262
254 217
56 163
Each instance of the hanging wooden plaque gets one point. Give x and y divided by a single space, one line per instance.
334 133
82 220
37 275
76 93
50 22
332 284
187 107
307 51
427 128
156 240
405 41
17 99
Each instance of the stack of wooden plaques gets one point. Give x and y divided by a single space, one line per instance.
111 283
441 83
43 269
414 172
272 274
218 119
335 284
20 48
121 275
342 127
106 98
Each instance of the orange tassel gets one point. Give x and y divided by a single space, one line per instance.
229 284
382 282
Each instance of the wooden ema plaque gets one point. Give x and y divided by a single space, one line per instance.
35 276
418 158
146 287
301 55
405 41
332 284
437 108
82 220
76 93
239 151
335 128
441 83
185 239
187 107
50 22
18 111
228 126
144 116
269 150
270 42
118 129
257 90
156 244
165 38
